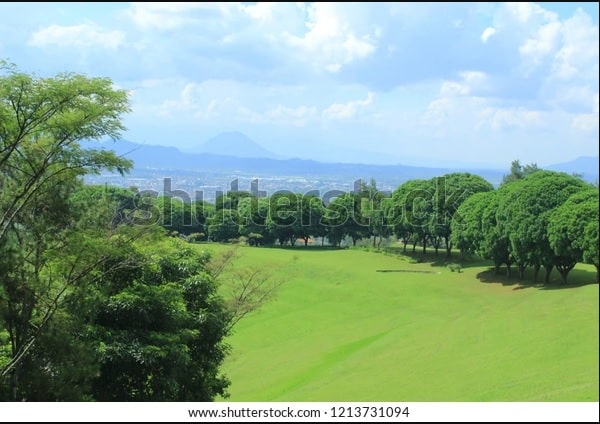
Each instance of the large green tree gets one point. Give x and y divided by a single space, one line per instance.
160 328
524 213
410 213
45 255
451 190
567 230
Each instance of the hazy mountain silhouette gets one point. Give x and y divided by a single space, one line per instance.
586 165
234 143
171 159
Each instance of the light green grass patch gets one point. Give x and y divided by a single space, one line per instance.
340 331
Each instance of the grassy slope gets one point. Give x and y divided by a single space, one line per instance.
339 331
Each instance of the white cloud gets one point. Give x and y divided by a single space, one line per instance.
260 10
585 122
84 35
164 16
347 110
542 44
298 117
438 111
526 12
578 55
588 121
471 81
330 41
507 118
487 33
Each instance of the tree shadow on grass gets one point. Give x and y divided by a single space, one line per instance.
439 260
577 278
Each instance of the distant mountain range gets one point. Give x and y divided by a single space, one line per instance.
235 143
236 153
586 165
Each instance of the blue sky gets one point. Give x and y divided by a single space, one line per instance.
429 84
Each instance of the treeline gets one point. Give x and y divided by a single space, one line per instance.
419 211
536 218
541 219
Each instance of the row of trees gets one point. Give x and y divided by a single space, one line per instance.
535 218
543 219
419 211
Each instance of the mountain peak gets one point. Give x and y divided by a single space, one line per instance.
235 143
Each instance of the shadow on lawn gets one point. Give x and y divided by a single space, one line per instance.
576 278
439 260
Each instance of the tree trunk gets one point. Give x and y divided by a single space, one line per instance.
405 243
548 272
448 247
564 272
353 241
414 247
508 269
563 275
536 271
374 240
497 268
522 271
305 241
424 245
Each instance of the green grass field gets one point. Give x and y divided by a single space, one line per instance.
340 331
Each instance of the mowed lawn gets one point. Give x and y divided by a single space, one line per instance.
340 331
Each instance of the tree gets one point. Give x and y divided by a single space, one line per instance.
590 246
223 225
283 217
231 200
160 328
466 227
518 171
495 244
451 190
42 121
524 213
312 212
253 213
344 217
372 209
412 212
567 230
45 255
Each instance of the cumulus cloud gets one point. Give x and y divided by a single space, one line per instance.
471 81
165 15
298 117
84 35
347 110
506 118
588 121
487 33
330 41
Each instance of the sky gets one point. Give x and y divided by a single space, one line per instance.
412 83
